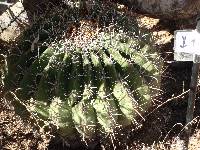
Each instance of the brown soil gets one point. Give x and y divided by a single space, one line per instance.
162 126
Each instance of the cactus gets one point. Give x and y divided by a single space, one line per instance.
95 87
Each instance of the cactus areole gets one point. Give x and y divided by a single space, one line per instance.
89 87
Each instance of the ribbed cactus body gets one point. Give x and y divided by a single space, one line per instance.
89 88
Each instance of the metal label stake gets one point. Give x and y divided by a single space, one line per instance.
187 48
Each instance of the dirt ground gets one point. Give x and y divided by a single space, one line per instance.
162 128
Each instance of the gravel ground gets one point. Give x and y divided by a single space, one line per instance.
160 130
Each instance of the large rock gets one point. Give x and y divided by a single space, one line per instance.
4 4
12 22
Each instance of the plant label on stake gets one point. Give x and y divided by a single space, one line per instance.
187 48
187 45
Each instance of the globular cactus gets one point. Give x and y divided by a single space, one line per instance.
95 87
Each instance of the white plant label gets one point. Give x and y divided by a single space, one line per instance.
186 45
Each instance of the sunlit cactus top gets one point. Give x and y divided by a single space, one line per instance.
86 76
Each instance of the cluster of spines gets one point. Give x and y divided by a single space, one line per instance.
88 88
